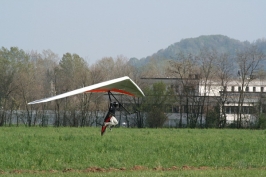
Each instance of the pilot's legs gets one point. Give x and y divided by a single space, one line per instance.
113 122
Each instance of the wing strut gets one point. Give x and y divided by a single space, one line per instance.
109 94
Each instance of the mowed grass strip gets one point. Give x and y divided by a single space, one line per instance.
147 173
51 148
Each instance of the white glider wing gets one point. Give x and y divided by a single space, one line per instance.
122 85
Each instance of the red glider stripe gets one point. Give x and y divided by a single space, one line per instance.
112 90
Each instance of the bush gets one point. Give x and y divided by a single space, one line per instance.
156 118
262 121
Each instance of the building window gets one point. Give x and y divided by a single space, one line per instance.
245 110
239 89
225 89
228 110
254 89
176 109
233 88
247 89
262 89
252 110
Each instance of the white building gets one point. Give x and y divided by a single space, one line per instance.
198 95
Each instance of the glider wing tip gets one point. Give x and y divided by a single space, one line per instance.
32 102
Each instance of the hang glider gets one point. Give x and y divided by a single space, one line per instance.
123 85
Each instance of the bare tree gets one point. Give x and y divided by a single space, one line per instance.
248 62
41 84
206 60
185 69
224 73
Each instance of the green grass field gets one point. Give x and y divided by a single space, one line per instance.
131 152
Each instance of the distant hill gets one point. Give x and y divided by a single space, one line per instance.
220 43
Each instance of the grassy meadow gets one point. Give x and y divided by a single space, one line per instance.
131 152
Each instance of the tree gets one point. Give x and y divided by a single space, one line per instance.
43 65
224 73
6 76
185 69
72 73
24 80
13 63
206 60
156 103
248 63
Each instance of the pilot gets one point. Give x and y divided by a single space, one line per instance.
110 120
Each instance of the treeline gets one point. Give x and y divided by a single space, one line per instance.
30 76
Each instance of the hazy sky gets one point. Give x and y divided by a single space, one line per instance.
95 29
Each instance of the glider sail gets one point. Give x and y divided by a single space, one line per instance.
123 85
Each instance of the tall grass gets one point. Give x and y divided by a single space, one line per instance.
79 148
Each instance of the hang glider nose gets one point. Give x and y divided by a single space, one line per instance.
123 85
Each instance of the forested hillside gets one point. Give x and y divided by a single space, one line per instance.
219 43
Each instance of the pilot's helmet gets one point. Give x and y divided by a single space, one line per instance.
115 104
